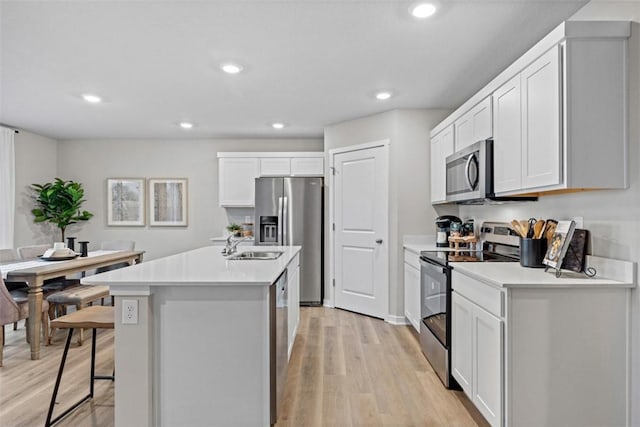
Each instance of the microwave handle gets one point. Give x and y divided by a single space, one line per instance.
466 171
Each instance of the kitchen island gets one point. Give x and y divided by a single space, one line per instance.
195 343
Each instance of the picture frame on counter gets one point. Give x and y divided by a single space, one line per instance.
126 202
168 202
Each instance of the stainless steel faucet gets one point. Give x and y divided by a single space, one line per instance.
231 245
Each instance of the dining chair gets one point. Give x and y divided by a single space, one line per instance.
116 245
12 310
32 251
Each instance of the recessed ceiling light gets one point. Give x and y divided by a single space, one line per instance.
231 68
422 10
277 125
94 99
382 96
186 125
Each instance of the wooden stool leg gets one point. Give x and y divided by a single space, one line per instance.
52 315
81 330
45 329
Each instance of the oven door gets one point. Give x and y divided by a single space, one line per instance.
434 295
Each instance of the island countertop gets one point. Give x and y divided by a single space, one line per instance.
203 266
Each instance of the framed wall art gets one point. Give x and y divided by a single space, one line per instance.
168 202
125 201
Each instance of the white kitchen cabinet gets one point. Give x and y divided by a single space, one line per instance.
478 344
293 282
412 288
441 146
541 109
275 166
559 113
527 141
307 166
507 137
474 125
488 365
237 172
236 181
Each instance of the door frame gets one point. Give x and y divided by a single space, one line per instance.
330 300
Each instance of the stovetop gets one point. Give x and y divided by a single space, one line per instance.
499 244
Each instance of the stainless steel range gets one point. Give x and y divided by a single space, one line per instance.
499 244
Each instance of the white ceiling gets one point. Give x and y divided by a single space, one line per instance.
308 63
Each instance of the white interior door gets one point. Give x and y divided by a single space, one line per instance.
361 258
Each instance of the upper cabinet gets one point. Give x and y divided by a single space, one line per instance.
441 147
237 172
474 125
558 114
236 181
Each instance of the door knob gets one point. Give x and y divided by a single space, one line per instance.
379 241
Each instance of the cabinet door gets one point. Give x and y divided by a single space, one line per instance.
462 342
507 137
307 166
275 166
294 301
412 295
236 178
488 363
475 125
541 131
441 147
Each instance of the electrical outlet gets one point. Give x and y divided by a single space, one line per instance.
130 311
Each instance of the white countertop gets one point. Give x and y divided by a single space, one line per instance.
513 275
417 243
203 266
224 238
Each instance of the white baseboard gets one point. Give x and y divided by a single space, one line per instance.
327 303
397 320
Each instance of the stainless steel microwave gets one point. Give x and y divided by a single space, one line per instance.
469 173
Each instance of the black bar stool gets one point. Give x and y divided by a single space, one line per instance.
90 317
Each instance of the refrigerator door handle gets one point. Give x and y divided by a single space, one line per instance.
285 222
280 219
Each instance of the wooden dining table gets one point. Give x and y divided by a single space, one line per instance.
34 274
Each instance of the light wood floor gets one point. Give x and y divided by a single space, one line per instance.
345 370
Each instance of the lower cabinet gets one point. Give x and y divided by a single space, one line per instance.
293 281
412 288
478 349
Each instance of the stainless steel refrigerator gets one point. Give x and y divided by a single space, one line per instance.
289 211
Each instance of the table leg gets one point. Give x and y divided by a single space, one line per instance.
35 319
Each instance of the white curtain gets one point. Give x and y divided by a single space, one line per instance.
7 187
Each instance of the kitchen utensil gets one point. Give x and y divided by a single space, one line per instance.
524 224
518 228
538 229
530 224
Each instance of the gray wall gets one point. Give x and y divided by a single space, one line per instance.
91 162
612 217
36 163
410 211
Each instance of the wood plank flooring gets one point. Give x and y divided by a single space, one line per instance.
345 370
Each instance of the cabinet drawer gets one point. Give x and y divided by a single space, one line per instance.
487 297
412 258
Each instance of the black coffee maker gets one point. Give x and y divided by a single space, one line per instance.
443 225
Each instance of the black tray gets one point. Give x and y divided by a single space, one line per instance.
58 258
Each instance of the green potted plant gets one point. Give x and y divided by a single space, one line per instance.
59 202
234 229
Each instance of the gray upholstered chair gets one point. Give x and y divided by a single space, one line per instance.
33 251
12 310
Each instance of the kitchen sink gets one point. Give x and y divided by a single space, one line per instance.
255 255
